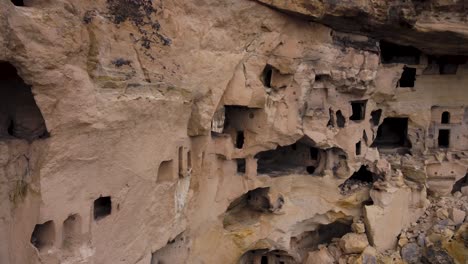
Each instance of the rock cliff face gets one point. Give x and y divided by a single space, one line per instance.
217 131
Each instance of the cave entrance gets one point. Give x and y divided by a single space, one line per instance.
408 77
360 178
324 234
240 139
20 116
445 119
444 138
267 74
394 53
358 148
237 121
392 134
265 256
298 158
43 236
18 2
363 175
375 117
102 207
449 64
240 166
359 110
340 120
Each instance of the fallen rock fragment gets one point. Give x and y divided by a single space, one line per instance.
353 243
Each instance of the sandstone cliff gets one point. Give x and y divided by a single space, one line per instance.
217 131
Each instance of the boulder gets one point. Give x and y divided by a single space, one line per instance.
457 215
411 253
321 256
353 243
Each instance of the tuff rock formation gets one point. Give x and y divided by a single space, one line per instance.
218 131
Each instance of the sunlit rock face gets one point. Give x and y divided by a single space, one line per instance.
216 131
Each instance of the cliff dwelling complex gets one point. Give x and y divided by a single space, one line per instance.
234 132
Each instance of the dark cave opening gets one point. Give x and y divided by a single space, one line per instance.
240 139
375 117
408 77
240 166
359 110
267 74
300 158
323 234
20 117
340 120
238 123
102 207
449 64
445 118
265 256
18 2
392 133
444 138
358 148
394 53
360 178
43 235
363 175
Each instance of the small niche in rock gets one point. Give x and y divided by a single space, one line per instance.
102 207
267 75
331 121
358 148
20 116
321 77
445 119
394 53
265 256
298 158
392 134
324 234
444 138
165 171
175 251
71 230
180 152
43 236
359 110
408 77
361 178
240 166
240 139
375 117
460 184
340 120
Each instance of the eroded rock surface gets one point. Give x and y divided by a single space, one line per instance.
218 131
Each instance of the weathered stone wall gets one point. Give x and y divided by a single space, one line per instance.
161 108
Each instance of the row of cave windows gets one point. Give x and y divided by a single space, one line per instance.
43 235
391 134
393 53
